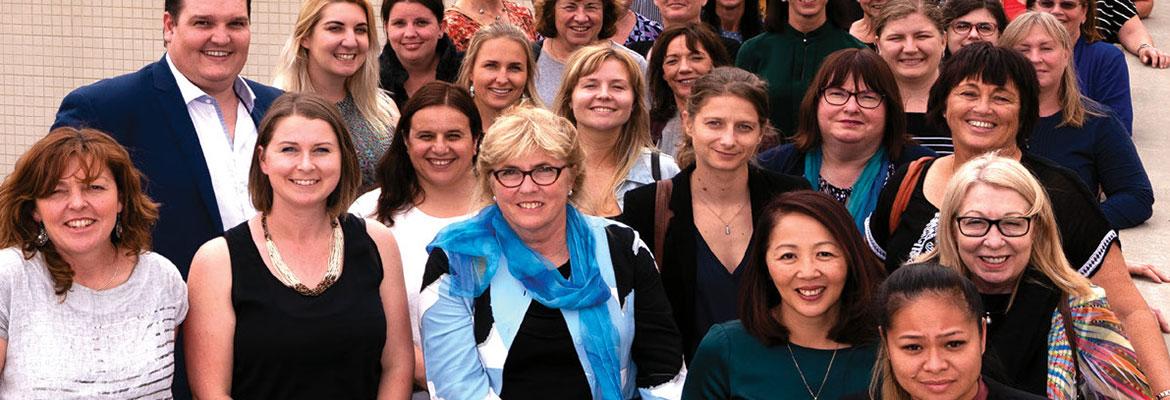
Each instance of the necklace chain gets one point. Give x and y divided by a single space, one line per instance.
286 275
817 395
726 224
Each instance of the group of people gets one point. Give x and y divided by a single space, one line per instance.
592 199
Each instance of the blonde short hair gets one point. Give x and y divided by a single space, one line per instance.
1072 102
521 131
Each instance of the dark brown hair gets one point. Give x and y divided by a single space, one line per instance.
953 9
37 173
173 7
698 37
750 23
435 7
993 65
546 20
396 174
862 66
758 295
309 106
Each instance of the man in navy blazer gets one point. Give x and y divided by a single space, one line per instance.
189 122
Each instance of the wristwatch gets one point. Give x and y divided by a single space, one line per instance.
1140 47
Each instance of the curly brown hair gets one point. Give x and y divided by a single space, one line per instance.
37 173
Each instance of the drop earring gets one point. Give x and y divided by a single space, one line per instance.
118 228
42 238
471 90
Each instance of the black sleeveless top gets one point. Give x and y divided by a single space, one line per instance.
290 346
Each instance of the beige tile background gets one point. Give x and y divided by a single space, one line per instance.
50 47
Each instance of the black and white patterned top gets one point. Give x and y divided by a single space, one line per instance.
368 144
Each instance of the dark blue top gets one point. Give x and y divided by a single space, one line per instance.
1104 76
715 298
1103 156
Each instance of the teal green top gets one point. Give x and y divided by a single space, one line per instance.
733 364
788 61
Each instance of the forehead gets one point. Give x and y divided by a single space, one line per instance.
728 107
678 46
225 9
609 69
978 82
410 9
915 22
797 228
343 10
530 159
977 15
500 50
303 130
578 2
440 117
993 198
947 314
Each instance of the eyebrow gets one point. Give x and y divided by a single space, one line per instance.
920 336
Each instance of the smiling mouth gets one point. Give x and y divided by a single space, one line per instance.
993 260
304 182
217 53
501 91
440 163
345 56
80 222
811 292
981 124
580 29
530 205
604 110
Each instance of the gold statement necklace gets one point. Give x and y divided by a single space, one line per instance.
289 279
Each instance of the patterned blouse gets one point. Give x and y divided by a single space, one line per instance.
645 30
368 144
461 27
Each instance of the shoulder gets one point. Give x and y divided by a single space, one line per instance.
637 57
12 262
912 152
264 93
999 391
366 205
213 257
779 158
774 182
1050 174
162 274
127 86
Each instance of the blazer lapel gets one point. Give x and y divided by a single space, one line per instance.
182 131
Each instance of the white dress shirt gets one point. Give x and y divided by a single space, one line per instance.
228 156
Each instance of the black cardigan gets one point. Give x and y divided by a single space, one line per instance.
392 75
677 265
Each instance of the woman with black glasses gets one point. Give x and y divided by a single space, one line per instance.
852 132
972 21
532 298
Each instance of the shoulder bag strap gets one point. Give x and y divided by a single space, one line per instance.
662 216
656 165
905 190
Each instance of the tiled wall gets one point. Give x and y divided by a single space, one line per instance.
49 47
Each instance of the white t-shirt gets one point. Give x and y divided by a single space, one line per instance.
115 343
413 230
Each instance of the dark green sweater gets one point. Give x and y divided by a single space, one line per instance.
788 61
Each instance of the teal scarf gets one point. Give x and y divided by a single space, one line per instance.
864 193
474 248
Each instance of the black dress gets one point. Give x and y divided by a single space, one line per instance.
291 346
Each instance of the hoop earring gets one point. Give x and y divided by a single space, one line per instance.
42 237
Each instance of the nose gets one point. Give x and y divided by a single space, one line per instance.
807 269
528 185
973 35
306 163
76 199
580 15
220 36
912 45
983 105
935 362
684 65
993 239
350 39
603 92
441 146
1033 55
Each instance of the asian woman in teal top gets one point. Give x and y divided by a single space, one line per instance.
803 306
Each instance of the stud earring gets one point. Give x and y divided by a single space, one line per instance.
42 237
570 192
471 90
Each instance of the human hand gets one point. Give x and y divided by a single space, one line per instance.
1147 271
1161 321
1150 55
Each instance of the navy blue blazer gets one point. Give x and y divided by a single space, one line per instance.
144 111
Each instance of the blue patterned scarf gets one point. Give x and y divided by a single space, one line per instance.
474 248
863 195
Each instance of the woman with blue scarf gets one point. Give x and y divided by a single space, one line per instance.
852 132
533 299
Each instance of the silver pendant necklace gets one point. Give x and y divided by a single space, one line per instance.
817 395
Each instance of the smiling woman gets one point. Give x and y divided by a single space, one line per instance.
803 310
86 309
568 25
533 299
329 54
499 70
302 292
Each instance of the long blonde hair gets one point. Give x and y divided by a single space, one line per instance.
501 30
292 72
1005 173
1073 105
635 133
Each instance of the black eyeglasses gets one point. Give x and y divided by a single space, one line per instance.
1008 227
964 27
1064 5
838 97
543 175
